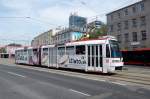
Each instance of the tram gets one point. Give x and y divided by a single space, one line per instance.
100 55
21 56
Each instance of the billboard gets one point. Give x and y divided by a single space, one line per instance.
76 35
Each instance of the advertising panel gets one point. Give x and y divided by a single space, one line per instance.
71 60
44 57
34 58
76 36
21 57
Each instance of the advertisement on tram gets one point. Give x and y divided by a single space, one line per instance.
34 57
72 61
44 57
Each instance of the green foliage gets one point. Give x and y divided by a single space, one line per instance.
2 50
99 32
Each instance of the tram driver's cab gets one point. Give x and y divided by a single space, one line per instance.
114 59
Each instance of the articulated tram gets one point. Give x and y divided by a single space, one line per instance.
101 55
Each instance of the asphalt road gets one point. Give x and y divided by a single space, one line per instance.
22 83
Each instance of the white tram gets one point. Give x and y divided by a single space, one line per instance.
101 55
21 56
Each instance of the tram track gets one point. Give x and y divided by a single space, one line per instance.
125 76
131 78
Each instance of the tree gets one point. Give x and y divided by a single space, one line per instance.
2 50
99 32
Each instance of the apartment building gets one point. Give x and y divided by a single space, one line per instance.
131 25
44 38
67 35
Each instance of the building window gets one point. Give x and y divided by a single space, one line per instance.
111 28
143 21
119 26
135 47
134 22
134 36
126 24
65 35
143 35
126 12
119 38
126 37
142 6
119 15
59 37
134 9
143 46
112 17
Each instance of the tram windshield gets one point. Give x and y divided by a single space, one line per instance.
115 50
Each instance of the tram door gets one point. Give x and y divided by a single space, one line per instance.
95 59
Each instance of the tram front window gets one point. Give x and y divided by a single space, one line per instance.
115 51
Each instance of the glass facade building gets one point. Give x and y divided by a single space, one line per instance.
77 21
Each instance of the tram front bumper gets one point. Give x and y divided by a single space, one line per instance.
119 68
116 66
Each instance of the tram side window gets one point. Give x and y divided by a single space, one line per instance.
70 50
35 51
45 51
24 52
61 51
107 51
25 55
30 52
80 50
100 49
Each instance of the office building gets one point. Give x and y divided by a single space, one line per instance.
76 21
131 25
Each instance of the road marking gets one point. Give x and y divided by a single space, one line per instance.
12 73
96 79
102 80
119 83
85 94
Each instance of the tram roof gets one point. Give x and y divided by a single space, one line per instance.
20 48
47 46
31 47
86 42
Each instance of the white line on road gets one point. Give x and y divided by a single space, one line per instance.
119 83
16 74
79 92
102 80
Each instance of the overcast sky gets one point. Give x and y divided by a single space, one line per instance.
47 14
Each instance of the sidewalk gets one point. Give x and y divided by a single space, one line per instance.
7 61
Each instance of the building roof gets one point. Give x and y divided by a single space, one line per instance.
125 7
101 40
14 44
